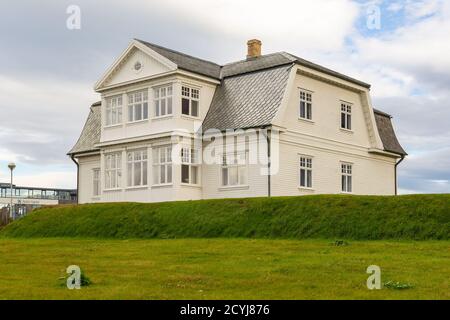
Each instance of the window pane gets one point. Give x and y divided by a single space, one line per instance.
308 111
225 176
144 173
233 176
302 109
169 105
185 106
138 112
194 108
145 111
185 173
349 122
162 174
137 174
157 108
343 184
129 174
343 120
302 178
309 179
163 107
169 173
349 183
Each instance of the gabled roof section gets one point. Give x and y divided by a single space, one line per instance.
247 100
186 62
91 132
387 133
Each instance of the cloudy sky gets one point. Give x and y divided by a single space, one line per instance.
47 71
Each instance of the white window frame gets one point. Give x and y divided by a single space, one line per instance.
96 182
162 158
305 105
113 170
306 168
137 159
234 162
189 159
346 116
137 105
192 95
163 95
346 177
113 110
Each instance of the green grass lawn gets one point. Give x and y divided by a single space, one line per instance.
222 269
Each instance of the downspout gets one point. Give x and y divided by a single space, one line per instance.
78 176
396 164
268 164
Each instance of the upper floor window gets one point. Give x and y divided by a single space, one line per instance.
346 178
190 101
305 111
234 169
189 166
113 171
137 168
163 101
346 116
113 110
96 182
162 165
305 172
138 106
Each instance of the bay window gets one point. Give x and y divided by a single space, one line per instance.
162 165
163 101
189 166
138 106
190 101
137 168
113 110
113 171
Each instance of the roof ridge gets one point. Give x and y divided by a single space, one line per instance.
177 52
253 59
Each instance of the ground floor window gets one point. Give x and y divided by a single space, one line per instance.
162 165
137 168
346 171
113 171
234 169
189 166
305 172
96 182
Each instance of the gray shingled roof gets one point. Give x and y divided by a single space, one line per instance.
247 101
249 95
387 133
91 132
187 62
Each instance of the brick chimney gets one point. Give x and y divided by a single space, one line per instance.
253 48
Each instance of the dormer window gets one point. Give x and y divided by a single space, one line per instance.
138 106
190 101
113 110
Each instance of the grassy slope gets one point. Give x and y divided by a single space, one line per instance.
417 217
222 269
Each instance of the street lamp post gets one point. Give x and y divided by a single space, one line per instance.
11 167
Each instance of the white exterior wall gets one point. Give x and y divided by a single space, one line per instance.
86 178
329 145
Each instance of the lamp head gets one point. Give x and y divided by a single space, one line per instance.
12 166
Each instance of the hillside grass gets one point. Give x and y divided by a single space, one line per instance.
412 217
222 269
